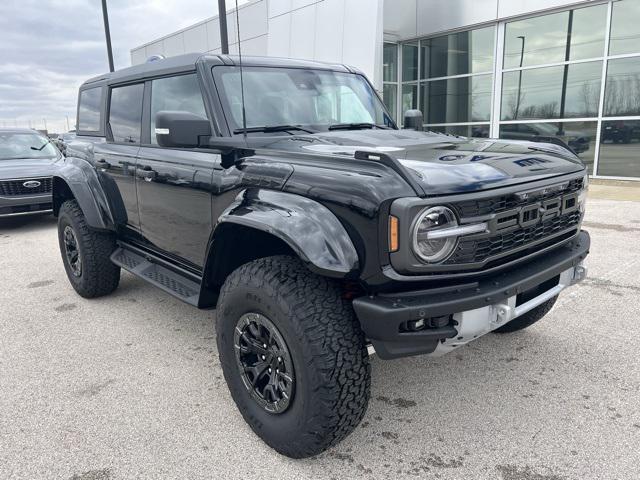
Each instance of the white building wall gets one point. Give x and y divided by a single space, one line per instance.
340 31
406 19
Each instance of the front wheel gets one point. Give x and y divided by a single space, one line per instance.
293 356
529 318
86 253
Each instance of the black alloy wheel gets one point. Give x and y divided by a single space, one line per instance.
264 362
72 251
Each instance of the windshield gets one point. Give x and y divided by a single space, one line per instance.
16 145
315 99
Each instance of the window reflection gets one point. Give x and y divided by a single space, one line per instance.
458 100
409 97
409 62
622 90
390 97
619 149
125 113
89 110
579 136
458 53
624 27
572 35
552 92
390 62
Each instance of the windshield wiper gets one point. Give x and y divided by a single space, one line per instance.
273 128
356 126
43 145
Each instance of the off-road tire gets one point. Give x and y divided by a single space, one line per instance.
99 276
327 346
529 318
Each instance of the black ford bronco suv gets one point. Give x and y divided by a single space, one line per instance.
281 193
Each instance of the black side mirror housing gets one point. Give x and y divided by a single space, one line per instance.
413 120
176 129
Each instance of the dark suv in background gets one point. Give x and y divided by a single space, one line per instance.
27 162
283 194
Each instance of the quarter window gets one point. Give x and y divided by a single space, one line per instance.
89 110
125 113
180 93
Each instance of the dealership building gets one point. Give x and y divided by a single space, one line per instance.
542 70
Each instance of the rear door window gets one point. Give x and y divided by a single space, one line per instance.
181 93
89 110
125 113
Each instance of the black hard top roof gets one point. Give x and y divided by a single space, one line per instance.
188 62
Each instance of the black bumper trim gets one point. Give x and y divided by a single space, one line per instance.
381 316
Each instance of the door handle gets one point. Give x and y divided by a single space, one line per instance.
103 164
147 174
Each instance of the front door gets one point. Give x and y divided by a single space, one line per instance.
174 185
116 158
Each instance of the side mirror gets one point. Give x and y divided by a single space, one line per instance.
181 129
413 120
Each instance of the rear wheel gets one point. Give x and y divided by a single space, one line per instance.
293 356
85 253
529 318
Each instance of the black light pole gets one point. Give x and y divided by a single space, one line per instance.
222 15
565 75
521 37
107 33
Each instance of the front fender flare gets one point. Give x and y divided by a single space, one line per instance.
312 231
82 180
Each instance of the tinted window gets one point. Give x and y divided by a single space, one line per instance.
458 53
620 148
622 91
458 100
624 27
559 37
409 62
390 62
538 93
175 93
125 113
89 110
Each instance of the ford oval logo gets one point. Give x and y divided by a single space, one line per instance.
31 184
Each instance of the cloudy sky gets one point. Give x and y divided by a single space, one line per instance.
49 47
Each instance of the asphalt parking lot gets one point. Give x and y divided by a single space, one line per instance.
129 386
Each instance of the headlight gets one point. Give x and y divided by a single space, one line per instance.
427 243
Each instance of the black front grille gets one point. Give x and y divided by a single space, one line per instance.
10 188
502 203
474 251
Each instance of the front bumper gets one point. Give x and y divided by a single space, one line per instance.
474 308
25 205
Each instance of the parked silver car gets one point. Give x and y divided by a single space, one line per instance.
27 160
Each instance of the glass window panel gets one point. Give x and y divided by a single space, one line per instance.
409 62
620 149
457 100
458 53
579 136
89 110
622 91
540 40
625 34
390 97
125 113
390 62
538 93
180 93
409 97
478 131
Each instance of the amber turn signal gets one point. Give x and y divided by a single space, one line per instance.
393 234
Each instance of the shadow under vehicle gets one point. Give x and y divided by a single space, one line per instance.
281 193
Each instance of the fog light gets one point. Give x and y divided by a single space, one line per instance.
415 325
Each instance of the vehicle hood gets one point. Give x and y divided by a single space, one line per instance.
27 168
444 164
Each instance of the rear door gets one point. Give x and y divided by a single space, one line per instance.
174 185
116 158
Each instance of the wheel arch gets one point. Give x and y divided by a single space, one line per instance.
262 223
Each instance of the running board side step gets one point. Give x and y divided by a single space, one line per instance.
165 279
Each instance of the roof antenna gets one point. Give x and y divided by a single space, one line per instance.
244 113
